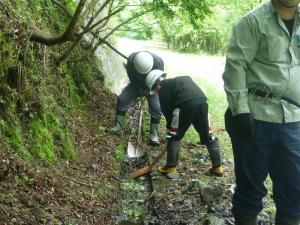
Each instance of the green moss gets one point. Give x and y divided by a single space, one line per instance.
68 151
72 88
120 151
15 138
73 91
64 143
7 56
42 146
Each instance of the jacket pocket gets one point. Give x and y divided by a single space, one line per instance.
273 47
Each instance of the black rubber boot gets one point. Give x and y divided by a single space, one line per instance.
118 124
213 148
245 219
287 220
173 152
154 134
172 158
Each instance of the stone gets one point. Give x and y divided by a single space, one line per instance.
173 176
211 193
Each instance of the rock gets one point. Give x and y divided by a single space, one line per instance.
173 176
211 193
196 185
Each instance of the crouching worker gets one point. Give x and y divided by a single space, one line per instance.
183 103
139 64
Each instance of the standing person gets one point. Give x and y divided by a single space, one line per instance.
183 103
139 64
262 80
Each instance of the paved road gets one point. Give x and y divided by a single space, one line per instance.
209 68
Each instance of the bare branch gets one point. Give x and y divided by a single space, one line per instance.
110 46
100 21
97 13
121 24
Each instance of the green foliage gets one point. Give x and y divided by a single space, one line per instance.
190 11
138 29
191 26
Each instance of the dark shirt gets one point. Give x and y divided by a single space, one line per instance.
289 25
178 92
137 80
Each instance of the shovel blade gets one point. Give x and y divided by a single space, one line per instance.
134 151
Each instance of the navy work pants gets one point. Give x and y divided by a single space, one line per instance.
273 149
129 96
196 115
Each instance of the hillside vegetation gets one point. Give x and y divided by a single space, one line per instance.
49 111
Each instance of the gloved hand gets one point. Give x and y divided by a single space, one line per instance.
242 123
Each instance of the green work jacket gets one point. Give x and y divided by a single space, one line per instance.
263 56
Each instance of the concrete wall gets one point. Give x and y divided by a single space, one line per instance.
111 65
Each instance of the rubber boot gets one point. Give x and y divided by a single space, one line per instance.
118 124
286 220
245 219
213 148
154 134
172 158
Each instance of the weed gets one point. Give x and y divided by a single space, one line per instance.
120 151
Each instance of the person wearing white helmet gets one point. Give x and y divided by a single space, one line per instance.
139 64
183 103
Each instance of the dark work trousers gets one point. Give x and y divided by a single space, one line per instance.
273 149
129 96
196 115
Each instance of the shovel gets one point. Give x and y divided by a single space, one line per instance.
147 169
135 151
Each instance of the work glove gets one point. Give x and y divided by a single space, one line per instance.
243 124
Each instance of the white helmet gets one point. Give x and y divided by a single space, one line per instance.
143 62
152 77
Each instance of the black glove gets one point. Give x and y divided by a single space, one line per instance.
242 124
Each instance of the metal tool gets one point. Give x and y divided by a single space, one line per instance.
135 150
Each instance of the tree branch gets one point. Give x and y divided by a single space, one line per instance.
63 7
121 24
88 29
42 37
